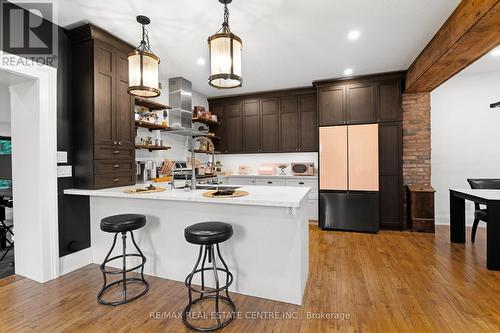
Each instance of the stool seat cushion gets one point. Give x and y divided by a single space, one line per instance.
123 222
207 233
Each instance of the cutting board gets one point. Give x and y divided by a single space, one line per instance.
236 194
141 191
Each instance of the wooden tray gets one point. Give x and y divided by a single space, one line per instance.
134 191
209 194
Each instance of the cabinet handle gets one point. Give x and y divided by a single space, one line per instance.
115 142
116 152
116 166
116 180
269 182
120 143
301 183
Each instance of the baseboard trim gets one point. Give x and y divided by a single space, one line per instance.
74 261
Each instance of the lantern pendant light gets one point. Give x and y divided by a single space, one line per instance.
143 66
225 56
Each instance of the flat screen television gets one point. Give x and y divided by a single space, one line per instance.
5 162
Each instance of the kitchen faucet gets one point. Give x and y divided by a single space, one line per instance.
210 147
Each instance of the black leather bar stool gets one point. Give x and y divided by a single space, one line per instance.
208 235
122 224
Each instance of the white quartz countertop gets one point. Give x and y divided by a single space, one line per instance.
315 177
269 196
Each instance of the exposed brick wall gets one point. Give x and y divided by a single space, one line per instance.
417 138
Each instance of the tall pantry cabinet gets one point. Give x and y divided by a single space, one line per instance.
103 127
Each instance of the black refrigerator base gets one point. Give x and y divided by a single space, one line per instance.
349 211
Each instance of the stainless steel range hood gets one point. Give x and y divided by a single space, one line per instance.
180 116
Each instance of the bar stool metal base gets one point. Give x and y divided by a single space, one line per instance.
207 294
125 280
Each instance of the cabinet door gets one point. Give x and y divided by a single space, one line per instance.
363 157
234 127
104 130
269 125
220 131
308 123
124 113
361 106
332 106
289 124
391 187
251 128
390 100
333 158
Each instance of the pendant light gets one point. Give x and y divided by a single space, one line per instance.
225 56
143 66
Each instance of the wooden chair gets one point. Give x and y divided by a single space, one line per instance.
481 214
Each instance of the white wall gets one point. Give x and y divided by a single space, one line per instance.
231 162
4 110
465 135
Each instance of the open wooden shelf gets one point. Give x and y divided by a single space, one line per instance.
152 147
206 121
197 151
151 105
150 126
211 137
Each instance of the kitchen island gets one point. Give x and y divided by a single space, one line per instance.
268 253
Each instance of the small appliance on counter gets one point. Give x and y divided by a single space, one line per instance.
267 169
303 169
244 169
145 171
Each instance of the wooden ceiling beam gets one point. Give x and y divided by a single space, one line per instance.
471 31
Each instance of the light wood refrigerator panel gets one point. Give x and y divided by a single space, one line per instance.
363 157
333 158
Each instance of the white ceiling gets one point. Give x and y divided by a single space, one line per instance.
287 43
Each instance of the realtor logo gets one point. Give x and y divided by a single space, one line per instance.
27 30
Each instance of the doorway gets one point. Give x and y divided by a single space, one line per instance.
32 91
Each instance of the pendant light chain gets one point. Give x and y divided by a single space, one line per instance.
145 40
226 16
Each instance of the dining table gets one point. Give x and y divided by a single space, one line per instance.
489 198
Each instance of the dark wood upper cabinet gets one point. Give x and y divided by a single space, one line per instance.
332 106
308 123
270 125
390 104
233 124
104 132
289 124
124 112
103 122
361 107
272 122
251 126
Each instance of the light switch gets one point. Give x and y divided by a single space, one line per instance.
64 171
62 157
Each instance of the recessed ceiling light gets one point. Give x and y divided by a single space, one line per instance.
496 52
353 34
200 61
348 71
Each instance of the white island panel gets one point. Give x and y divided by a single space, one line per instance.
268 253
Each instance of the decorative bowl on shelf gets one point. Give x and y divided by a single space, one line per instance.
282 167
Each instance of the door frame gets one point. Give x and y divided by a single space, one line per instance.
38 240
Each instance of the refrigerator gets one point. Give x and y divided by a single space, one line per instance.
349 178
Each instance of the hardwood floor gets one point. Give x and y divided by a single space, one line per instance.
390 282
